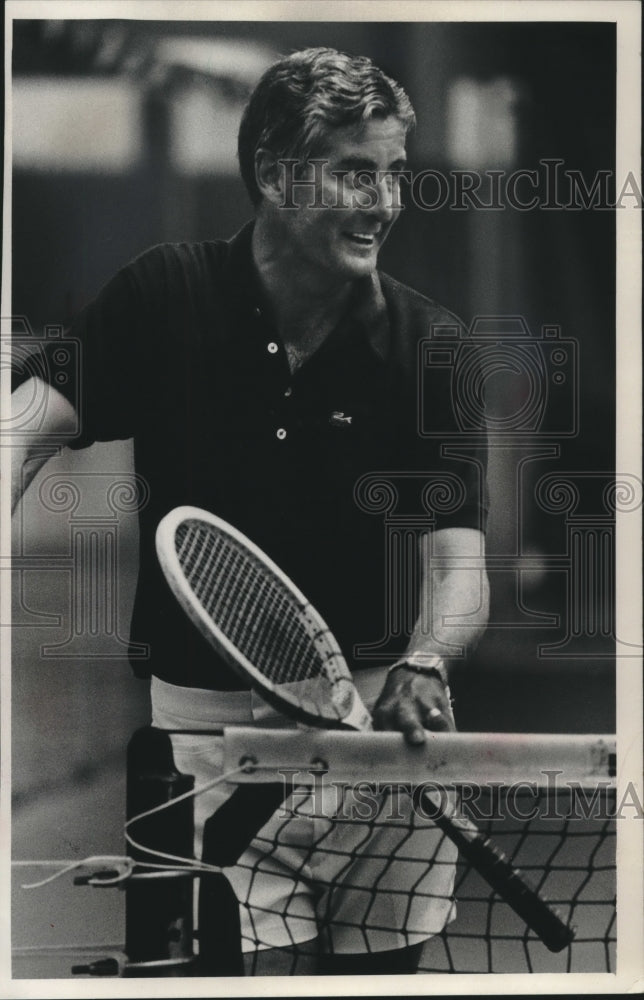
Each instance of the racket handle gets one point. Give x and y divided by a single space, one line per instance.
499 873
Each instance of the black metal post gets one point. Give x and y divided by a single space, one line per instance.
159 904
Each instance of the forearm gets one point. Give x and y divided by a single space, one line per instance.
46 419
453 613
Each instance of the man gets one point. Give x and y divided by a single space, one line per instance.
263 379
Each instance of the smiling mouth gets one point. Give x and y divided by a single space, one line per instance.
363 239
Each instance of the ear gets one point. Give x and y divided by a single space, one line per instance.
269 175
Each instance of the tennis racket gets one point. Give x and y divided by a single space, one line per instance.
271 635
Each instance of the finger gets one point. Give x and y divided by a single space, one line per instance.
384 715
404 718
410 724
438 721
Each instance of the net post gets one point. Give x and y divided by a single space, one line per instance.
227 834
158 903
220 951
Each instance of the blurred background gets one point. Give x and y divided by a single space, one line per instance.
124 135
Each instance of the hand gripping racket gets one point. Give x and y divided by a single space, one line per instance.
269 633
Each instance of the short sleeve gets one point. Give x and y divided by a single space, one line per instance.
455 491
448 477
98 364
450 457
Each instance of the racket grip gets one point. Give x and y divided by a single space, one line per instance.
501 875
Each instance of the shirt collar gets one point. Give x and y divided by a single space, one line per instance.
367 309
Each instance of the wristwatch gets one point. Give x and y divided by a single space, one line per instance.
433 667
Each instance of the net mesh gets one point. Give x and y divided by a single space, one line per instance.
377 882
570 859
350 866
255 611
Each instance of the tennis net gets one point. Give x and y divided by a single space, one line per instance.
357 826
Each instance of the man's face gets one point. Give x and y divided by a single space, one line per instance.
357 198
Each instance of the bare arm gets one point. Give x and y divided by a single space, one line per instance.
46 418
453 615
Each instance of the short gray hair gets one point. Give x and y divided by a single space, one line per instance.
301 97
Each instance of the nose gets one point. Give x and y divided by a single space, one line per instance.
384 203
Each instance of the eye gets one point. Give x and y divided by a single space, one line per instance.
364 178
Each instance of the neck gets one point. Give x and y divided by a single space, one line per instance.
306 302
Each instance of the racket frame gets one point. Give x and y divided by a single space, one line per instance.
354 714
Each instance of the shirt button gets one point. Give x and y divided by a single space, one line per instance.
281 434
257 311
288 392
272 347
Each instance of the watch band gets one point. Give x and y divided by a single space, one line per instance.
435 667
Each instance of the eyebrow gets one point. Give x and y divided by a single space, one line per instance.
362 163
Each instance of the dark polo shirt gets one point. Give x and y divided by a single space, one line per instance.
179 352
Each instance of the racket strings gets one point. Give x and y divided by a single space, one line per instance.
252 591
252 607
272 628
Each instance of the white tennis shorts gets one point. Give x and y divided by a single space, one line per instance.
315 870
